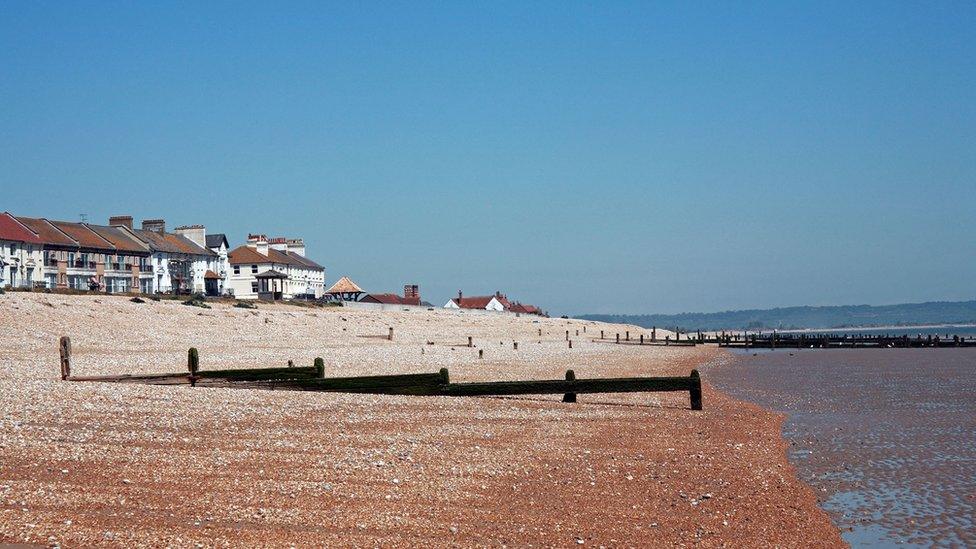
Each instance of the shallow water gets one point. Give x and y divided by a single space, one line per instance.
886 437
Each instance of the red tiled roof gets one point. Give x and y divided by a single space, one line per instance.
11 229
210 275
83 235
48 233
244 255
391 299
278 256
525 309
119 238
477 302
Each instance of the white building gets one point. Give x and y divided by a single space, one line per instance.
218 244
178 263
21 254
497 302
285 272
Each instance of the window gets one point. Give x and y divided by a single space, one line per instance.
237 269
254 287
254 269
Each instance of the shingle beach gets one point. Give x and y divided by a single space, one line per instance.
127 465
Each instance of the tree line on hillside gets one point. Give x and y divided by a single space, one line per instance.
786 318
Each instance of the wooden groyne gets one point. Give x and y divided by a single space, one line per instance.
775 340
312 378
828 341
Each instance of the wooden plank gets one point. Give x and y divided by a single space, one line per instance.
256 374
557 386
405 384
136 378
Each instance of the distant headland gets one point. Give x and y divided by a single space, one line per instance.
807 317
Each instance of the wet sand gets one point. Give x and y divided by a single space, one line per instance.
86 464
885 437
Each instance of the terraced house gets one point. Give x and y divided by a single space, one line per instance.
21 256
115 258
84 256
177 263
274 269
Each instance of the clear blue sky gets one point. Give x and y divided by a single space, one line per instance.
586 157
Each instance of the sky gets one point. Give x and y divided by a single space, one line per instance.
597 157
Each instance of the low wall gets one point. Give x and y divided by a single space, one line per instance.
385 307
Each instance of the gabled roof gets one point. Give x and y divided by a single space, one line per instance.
215 240
86 237
210 275
11 229
344 286
476 302
121 239
391 299
48 233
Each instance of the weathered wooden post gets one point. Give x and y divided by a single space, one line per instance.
570 343
577 333
515 345
540 332
481 353
470 342
653 333
642 339
618 338
570 397
445 376
291 364
64 347
567 335
390 337
193 364
601 334
628 335
696 391
319 367
667 340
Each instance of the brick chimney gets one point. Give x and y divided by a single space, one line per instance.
411 290
120 221
460 295
196 233
154 225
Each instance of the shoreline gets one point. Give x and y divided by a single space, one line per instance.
808 495
873 328
886 472
128 465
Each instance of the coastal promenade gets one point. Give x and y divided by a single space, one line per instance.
136 465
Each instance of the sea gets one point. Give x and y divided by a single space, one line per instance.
885 437
946 331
